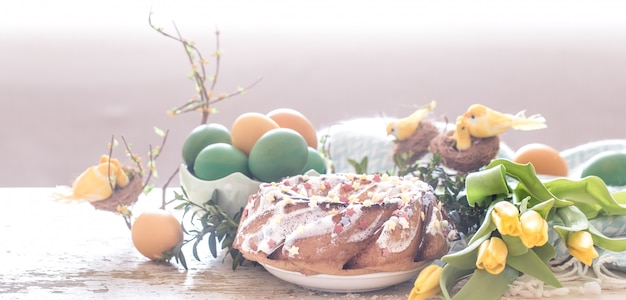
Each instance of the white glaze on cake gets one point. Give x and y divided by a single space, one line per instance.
333 208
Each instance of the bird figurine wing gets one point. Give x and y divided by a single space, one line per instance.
483 122
403 128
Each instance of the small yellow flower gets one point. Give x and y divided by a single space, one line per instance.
580 245
427 283
534 229
492 255
506 217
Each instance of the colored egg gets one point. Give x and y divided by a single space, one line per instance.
545 159
279 153
610 166
315 161
202 136
248 128
293 119
216 161
155 233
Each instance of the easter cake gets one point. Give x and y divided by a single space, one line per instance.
343 224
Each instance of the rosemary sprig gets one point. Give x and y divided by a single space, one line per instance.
208 220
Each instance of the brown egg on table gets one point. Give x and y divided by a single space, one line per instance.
248 128
293 119
155 233
545 159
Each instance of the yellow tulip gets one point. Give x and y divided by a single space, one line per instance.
534 229
506 217
427 283
492 255
580 245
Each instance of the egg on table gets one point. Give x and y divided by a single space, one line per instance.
545 159
155 233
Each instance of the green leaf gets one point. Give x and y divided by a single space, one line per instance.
545 252
544 208
359 167
487 227
515 245
528 182
573 218
531 264
450 275
213 244
620 197
589 194
466 258
484 186
484 285
159 131
604 242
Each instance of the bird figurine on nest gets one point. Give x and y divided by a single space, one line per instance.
413 133
483 122
475 140
97 182
461 135
403 128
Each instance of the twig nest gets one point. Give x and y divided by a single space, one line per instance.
126 196
417 144
483 150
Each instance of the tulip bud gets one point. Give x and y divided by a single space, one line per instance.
534 229
492 255
427 283
580 245
505 216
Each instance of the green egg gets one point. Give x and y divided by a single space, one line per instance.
202 136
315 161
219 160
610 166
278 153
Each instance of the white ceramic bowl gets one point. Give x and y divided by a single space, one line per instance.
232 191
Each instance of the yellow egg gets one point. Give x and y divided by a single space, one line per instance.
248 128
545 159
155 233
293 119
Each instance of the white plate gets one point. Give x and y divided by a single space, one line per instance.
345 284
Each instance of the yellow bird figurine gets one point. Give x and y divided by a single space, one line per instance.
461 135
403 128
483 122
95 184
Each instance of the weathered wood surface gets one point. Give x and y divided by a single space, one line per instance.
59 251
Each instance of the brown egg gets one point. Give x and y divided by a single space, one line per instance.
248 128
155 233
293 119
545 159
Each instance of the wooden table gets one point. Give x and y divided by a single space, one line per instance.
59 250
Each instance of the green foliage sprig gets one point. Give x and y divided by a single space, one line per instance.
210 221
